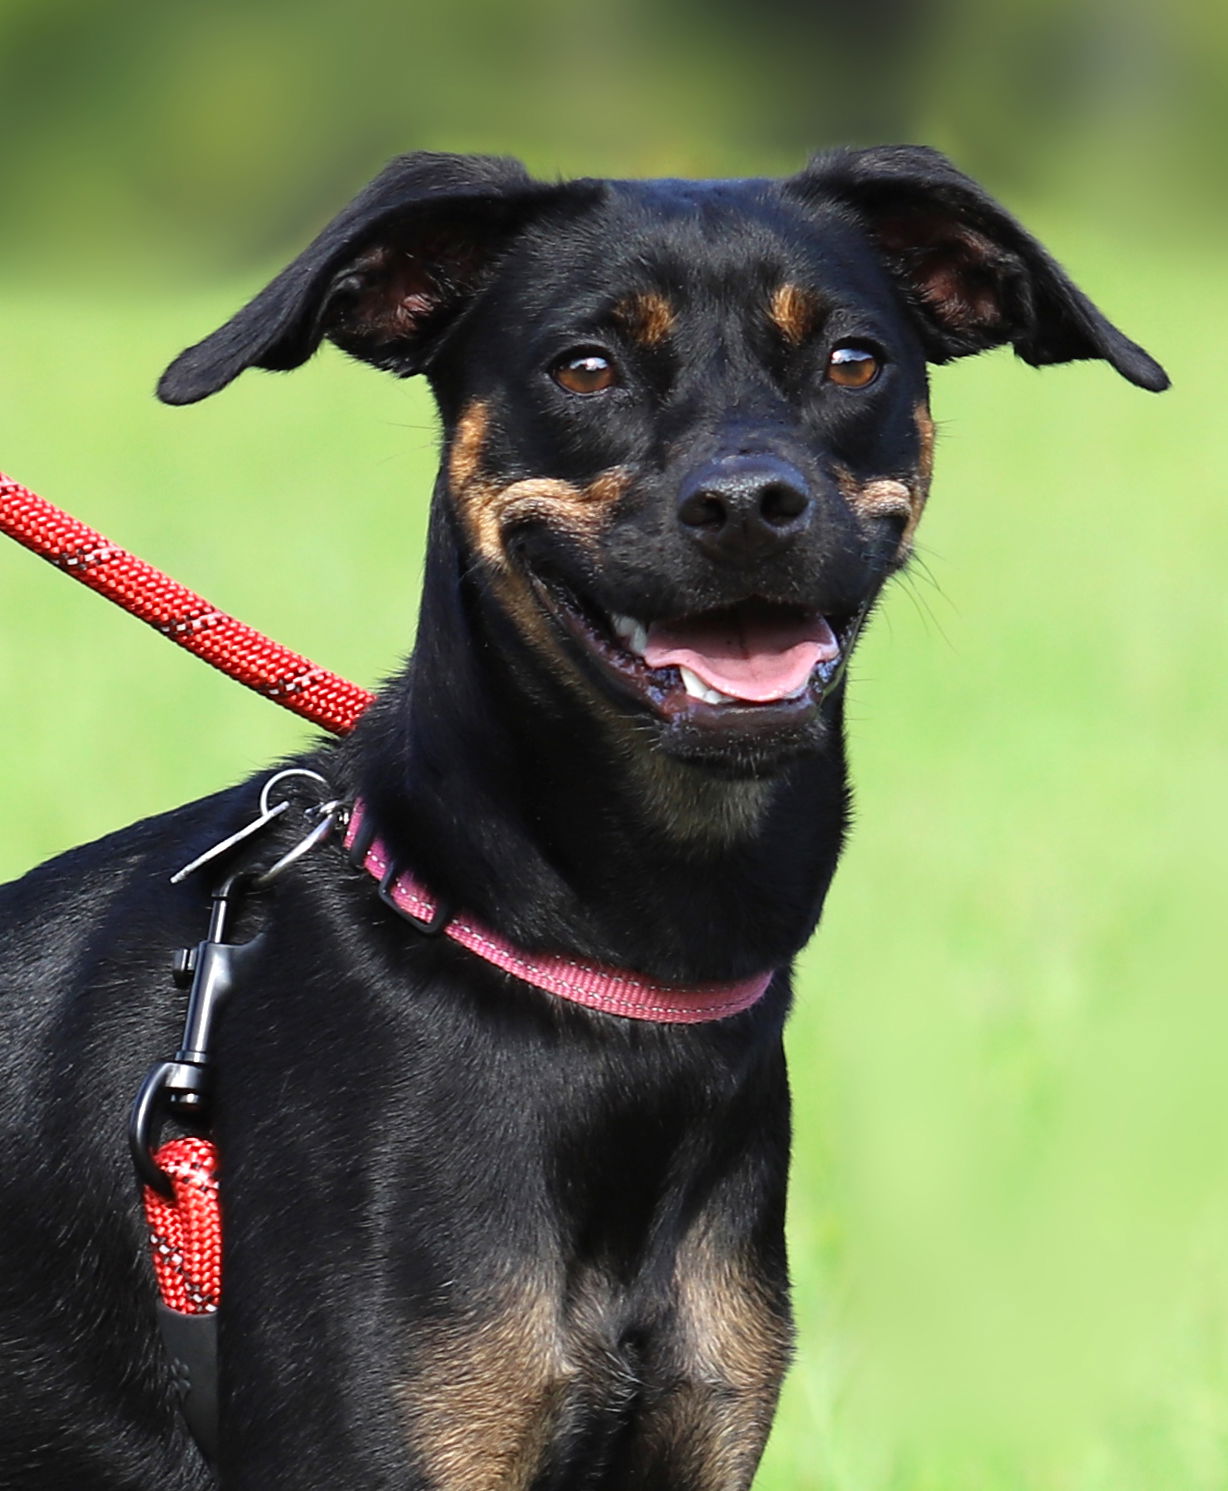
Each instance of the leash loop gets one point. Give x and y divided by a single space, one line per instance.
185 1234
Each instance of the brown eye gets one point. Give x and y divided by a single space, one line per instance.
590 372
853 367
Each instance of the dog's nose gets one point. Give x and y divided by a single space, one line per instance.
744 506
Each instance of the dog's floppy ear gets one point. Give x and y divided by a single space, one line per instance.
382 281
973 275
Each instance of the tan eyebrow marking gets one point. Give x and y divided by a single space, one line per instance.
794 312
649 317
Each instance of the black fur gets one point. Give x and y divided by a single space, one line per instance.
477 1238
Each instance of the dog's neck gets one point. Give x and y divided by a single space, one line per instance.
513 800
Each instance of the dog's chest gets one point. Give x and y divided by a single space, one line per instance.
551 1382
620 1308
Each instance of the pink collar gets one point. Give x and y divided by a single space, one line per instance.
611 990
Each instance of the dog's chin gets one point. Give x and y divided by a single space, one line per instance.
687 716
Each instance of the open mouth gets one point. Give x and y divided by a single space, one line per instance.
757 662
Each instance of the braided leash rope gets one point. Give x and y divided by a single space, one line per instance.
238 650
185 1235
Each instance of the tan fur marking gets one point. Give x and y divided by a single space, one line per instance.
488 509
465 452
925 434
887 496
733 1347
485 1392
884 498
793 311
925 472
648 317
734 1336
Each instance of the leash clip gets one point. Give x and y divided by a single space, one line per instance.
183 1084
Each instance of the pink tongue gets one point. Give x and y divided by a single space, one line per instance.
749 653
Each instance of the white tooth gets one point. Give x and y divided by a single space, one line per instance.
698 689
631 632
693 684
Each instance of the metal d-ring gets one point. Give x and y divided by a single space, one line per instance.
268 812
330 812
280 776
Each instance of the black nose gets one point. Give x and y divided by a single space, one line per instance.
739 507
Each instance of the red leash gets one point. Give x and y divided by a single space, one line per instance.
185 1228
237 650
186 1233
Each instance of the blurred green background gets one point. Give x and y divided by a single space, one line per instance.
1010 1221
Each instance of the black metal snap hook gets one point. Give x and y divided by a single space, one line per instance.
182 1086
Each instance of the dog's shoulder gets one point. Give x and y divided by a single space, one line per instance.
109 891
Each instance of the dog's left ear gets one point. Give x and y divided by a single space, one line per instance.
973 275
385 279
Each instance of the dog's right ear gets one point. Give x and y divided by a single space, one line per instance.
383 281
972 275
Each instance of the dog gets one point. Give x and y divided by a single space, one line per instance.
480 1235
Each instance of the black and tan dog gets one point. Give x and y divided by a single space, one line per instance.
479 1238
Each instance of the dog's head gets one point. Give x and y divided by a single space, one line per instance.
686 423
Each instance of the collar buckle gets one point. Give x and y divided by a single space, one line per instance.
431 925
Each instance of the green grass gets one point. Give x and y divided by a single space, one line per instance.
1009 1212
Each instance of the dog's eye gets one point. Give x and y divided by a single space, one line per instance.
585 372
853 367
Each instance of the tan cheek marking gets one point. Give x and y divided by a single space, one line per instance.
794 312
925 435
485 1392
648 317
884 498
465 453
490 508
579 511
925 473
890 497
487 510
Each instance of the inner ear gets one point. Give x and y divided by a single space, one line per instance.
386 293
385 306
974 288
